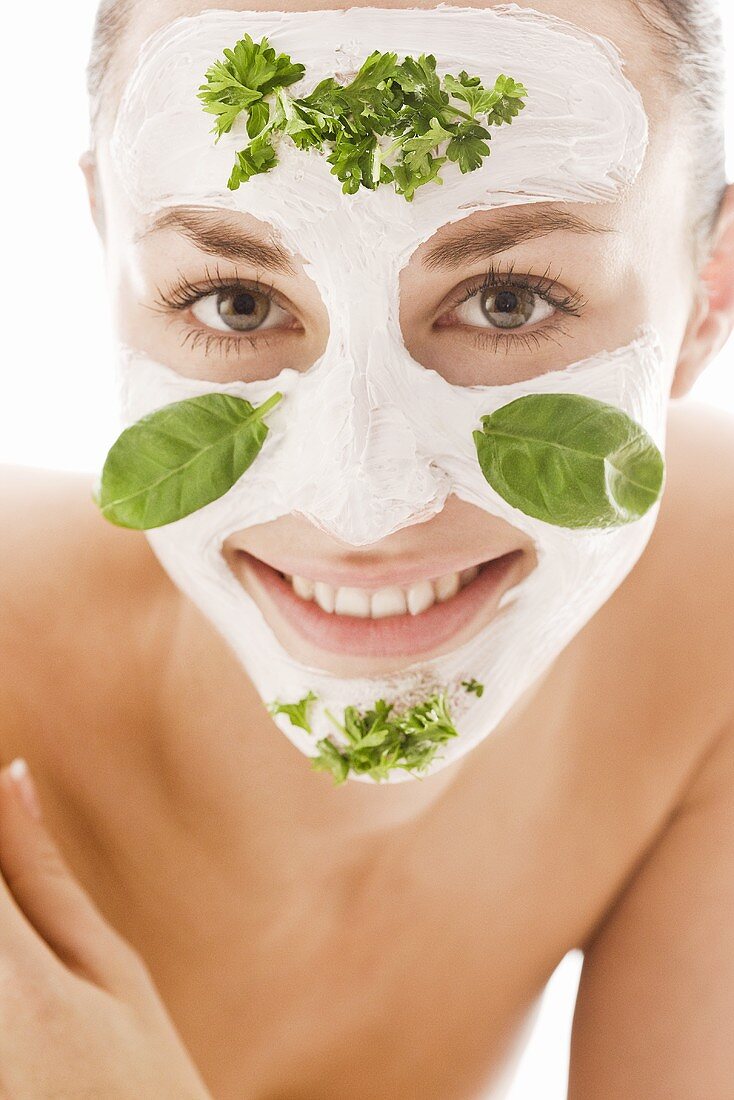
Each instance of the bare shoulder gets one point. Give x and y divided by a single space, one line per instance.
670 624
696 530
694 545
700 465
72 589
56 544
697 515
656 995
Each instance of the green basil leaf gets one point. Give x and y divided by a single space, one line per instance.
570 460
179 458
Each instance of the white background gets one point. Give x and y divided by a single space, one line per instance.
57 407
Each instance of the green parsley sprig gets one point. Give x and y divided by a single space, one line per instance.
379 739
297 712
395 123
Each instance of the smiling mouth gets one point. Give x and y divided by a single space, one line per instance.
425 617
381 603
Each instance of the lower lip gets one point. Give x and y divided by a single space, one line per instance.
396 635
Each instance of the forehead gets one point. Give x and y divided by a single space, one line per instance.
616 20
580 139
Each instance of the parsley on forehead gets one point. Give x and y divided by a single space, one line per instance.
395 123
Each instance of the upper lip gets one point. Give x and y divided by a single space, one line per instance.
377 575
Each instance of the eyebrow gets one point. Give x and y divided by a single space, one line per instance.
507 229
219 237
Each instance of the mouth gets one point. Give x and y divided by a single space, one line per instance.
417 618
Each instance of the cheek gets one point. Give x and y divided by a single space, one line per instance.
663 293
128 283
135 324
656 251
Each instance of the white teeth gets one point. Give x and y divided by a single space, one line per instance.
303 587
421 596
447 586
352 601
468 575
380 603
324 595
388 601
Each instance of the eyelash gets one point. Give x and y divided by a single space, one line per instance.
183 294
496 278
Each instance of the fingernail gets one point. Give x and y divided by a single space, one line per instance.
18 772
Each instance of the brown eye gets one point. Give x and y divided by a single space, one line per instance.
243 309
503 307
508 307
240 309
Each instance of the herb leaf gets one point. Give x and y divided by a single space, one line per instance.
393 123
331 760
259 156
378 739
570 460
249 72
381 740
297 712
473 686
179 458
468 146
510 102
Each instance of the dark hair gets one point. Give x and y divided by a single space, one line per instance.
687 35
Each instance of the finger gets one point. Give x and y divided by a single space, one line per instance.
50 897
21 947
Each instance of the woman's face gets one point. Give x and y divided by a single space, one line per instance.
491 298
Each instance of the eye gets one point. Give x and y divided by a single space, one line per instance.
508 308
504 307
238 309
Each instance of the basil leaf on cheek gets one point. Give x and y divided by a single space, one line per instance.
179 458
570 460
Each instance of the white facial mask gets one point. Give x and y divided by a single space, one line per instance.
367 440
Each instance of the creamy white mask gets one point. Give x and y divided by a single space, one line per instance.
368 441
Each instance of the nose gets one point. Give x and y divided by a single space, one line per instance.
380 482
376 471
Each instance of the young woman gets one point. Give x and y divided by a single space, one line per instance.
198 912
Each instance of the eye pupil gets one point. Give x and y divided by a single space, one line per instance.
507 308
505 302
243 309
243 303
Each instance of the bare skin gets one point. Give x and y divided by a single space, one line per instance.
311 942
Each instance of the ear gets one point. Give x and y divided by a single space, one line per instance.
88 165
712 318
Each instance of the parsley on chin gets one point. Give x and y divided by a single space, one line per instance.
378 740
395 123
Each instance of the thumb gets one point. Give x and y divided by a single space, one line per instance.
53 901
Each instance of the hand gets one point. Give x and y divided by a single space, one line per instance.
79 1013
